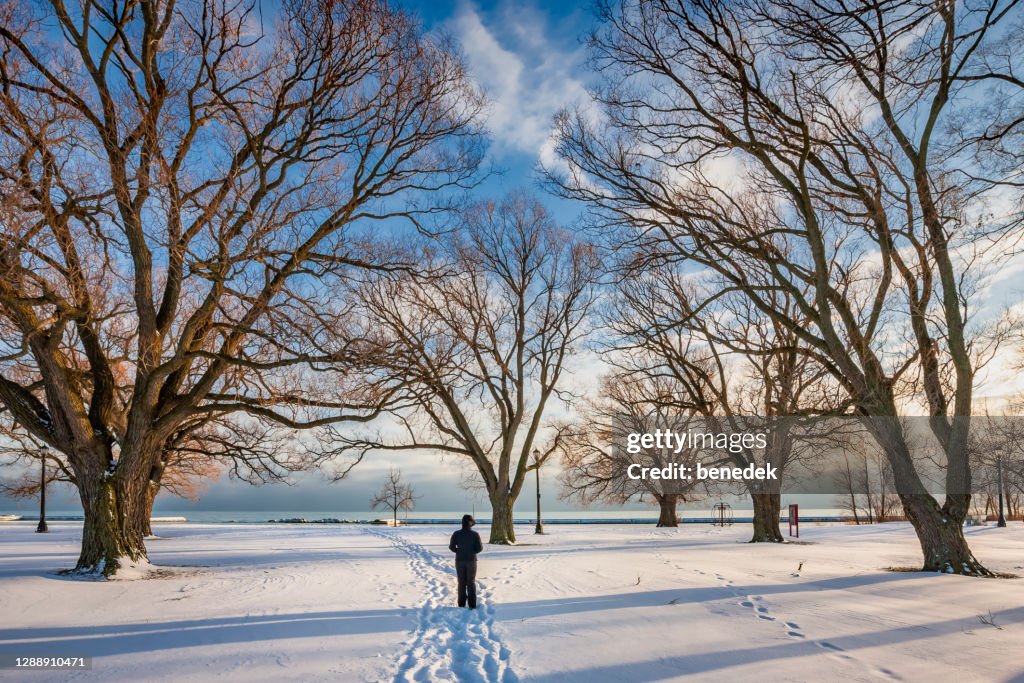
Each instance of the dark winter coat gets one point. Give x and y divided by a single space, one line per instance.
466 544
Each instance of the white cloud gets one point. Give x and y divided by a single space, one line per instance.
527 76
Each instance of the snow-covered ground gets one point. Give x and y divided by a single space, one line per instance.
583 603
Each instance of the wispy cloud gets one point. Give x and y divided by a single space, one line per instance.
528 71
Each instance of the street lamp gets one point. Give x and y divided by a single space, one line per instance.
42 528
539 529
1001 520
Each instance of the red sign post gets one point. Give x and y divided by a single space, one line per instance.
794 520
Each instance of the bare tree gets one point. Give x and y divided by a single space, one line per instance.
864 484
182 185
728 361
997 451
885 502
596 467
476 347
848 483
796 148
395 495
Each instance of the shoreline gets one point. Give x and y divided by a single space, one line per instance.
837 519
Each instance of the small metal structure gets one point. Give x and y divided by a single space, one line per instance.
721 514
794 520
42 528
1001 519
539 529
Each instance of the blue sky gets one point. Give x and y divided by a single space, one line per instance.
530 60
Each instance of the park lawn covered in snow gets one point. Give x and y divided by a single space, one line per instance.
583 603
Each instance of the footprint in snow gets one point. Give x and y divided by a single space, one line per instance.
833 648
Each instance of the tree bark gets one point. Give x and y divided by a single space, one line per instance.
668 516
152 489
939 529
155 478
766 518
113 530
502 529
940 532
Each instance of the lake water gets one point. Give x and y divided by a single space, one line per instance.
442 516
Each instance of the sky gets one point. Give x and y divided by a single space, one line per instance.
530 59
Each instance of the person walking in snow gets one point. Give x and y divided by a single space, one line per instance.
466 544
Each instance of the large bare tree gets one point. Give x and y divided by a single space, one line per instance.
477 346
725 360
182 184
798 147
595 463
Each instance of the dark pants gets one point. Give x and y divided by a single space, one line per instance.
467 583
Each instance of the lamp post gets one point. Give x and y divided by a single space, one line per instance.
539 529
42 528
1001 520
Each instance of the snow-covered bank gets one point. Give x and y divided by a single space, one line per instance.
587 603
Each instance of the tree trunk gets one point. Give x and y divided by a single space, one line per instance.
940 532
502 531
668 516
156 475
152 489
939 529
113 528
766 517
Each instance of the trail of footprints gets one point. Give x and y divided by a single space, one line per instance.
518 569
755 604
450 643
